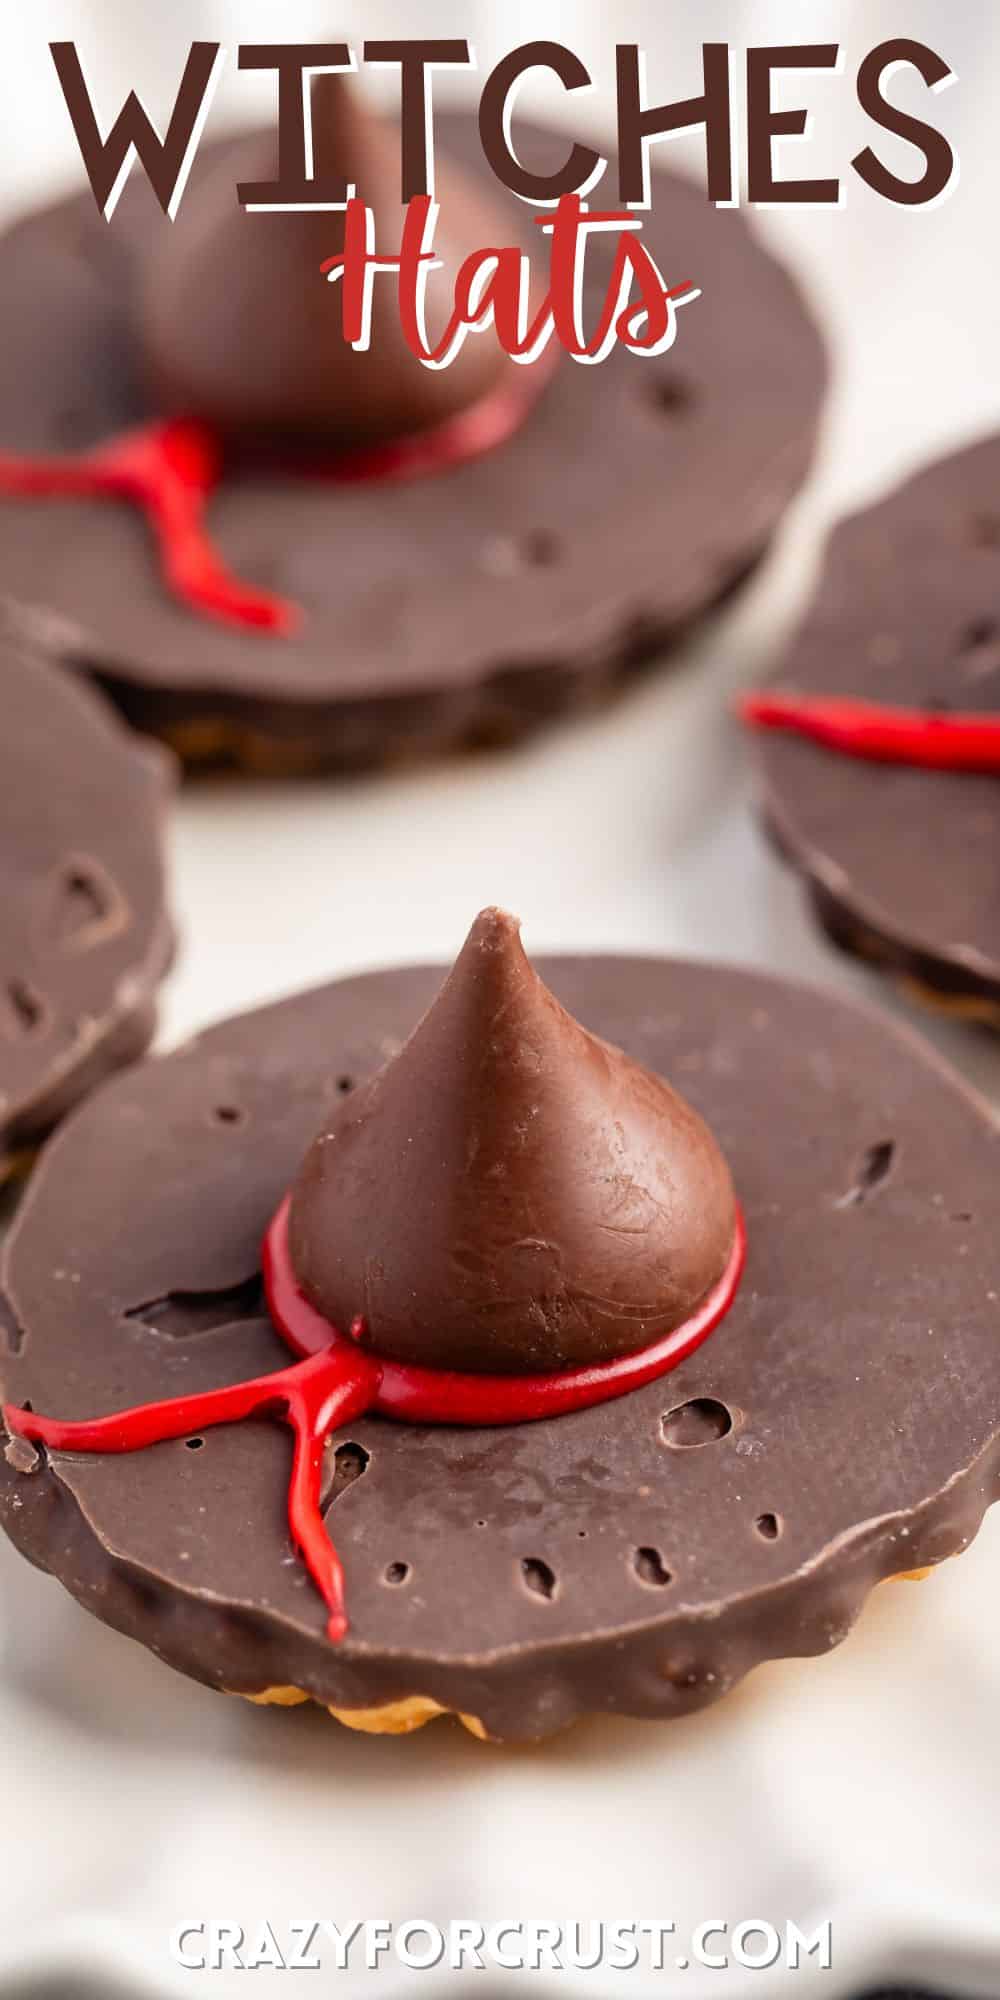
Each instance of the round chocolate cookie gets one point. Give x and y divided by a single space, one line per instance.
841 1425
84 933
450 608
903 864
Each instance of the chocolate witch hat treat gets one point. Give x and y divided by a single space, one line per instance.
880 757
552 1449
297 378
444 556
551 1205
84 933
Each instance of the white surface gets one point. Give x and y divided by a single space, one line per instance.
861 1785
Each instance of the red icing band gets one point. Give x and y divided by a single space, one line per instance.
170 470
932 742
442 1396
335 1381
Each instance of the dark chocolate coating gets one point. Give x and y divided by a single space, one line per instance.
509 1194
439 611
84 933
903 865
842 1424
244 332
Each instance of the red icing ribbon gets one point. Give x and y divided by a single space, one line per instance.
333 1381
934 742
171 470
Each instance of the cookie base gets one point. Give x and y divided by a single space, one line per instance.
391 1718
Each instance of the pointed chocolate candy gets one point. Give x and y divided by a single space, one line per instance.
510 1194
244 333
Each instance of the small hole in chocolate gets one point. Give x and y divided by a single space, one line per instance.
702 1421
228 1114
768 1527
83 897
344 1084
538 1577
350 1461
962 1215
981 632
87 907
397 1572
539 548
26 1009
12 1334
194 1444
180 1315
581 1534
873 1171
480 1524
650 1567
673 396
986 531
505 555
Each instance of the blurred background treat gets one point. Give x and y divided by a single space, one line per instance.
421 560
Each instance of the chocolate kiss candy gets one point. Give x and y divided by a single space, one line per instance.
243 332
510 1194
